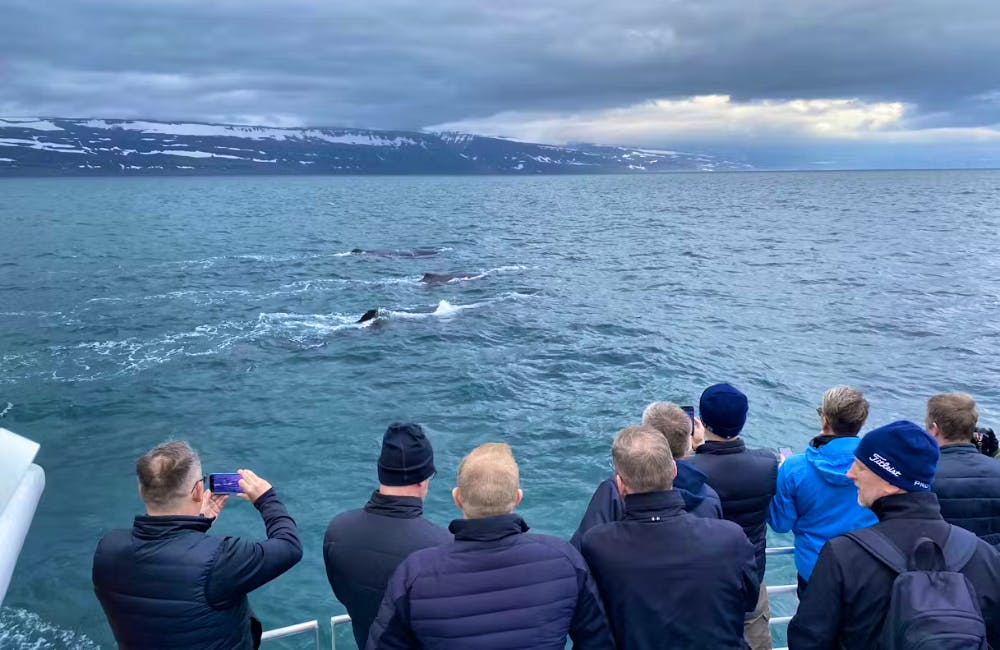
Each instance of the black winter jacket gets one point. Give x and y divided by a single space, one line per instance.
745 479
363 547
493 588
165 584
967 484
671 579
607 505
846 601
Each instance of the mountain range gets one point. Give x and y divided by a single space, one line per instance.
100 147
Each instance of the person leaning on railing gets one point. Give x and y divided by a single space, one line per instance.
165 583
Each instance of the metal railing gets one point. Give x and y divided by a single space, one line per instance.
341 619
780 589
293 630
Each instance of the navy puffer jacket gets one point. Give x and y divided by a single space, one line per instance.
607 505
745 479
493 588
363 547
967 485
167 585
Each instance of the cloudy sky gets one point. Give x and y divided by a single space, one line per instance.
795 82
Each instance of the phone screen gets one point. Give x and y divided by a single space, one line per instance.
690 413
224 483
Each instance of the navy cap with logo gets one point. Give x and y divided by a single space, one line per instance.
902 454
407 457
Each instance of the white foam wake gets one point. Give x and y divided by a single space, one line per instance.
24 630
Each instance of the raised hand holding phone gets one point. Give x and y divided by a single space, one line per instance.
252 485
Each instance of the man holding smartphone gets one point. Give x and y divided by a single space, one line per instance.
165 583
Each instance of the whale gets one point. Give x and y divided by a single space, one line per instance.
396 252
371 314
444 278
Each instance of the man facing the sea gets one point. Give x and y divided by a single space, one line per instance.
745 480
668 579
166 583
363 547
496 585
815 498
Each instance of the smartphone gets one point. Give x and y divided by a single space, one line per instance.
224 483
690 413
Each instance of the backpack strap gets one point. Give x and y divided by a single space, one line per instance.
880 547
959 548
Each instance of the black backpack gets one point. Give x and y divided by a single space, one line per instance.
932 605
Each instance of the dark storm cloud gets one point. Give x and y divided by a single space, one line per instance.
395 64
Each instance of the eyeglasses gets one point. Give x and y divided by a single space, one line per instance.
201 481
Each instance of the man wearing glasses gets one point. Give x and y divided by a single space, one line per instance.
166 583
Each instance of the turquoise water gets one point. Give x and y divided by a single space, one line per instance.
220 311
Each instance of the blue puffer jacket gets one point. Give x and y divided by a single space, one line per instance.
691 483
165 584
967 484
493 588
816 500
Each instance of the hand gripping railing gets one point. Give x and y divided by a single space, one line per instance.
313 626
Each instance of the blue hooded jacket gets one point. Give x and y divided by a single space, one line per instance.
816 501
691 483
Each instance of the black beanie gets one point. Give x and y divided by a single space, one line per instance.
407 457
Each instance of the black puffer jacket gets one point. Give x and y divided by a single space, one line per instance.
846 601
363 547
745 480
967 484
670 579
165 584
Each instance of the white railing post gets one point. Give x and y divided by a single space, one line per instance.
334 622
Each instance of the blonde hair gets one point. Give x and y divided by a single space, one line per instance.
955 414
845 410
488 481
673 423
643 459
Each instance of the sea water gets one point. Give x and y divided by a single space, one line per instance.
221 311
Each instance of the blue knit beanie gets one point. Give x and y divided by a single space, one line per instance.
407 457
902 453
723 409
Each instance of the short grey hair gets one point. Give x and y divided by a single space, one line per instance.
643 459
167 474
845 409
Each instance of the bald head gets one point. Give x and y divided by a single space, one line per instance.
643 460
488 482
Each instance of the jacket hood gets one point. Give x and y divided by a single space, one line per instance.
833 459
690 483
